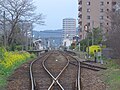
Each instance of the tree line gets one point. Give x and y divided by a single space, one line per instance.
113 35
16 21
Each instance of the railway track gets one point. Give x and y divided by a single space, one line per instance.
56 70
53 71
55 78
84 64
89 78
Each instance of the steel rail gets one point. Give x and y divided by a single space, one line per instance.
87 67
79 72
31 73
55 79
31 76
93 66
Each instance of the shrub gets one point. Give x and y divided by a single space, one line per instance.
11 60
32 55
2 51
18 47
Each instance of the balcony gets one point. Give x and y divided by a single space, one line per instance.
79 28
80 15
80 7
80 2
79 19
80 22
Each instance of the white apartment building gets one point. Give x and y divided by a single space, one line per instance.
94 13
69 28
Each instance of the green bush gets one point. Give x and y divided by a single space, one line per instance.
18 47
111 76
2 51
9 61
32 55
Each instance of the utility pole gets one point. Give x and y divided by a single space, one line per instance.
86 27
79 46
88 42
26 39
22 35
92 33
5 41
31 36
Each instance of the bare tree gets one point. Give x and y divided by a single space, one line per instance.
113 39
17 11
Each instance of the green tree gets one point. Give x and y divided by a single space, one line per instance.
96 35
83 44
113 35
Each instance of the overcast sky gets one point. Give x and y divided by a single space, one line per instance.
55 11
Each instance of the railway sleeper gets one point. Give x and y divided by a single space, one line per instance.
87 67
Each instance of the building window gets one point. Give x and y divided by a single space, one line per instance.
88 17
113 3
101 3
107 9
101 17
80 9
101 10
80 23
88 3
88 23
107 30
80 2
88 10
107 2
80 16
101 24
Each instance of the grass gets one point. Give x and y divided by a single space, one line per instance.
111 76
2 81
80 54
9 61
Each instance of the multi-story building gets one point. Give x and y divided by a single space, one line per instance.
69 28
94 13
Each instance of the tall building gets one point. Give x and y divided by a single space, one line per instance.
69 28
94 13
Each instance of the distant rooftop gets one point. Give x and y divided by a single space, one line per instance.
68 18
